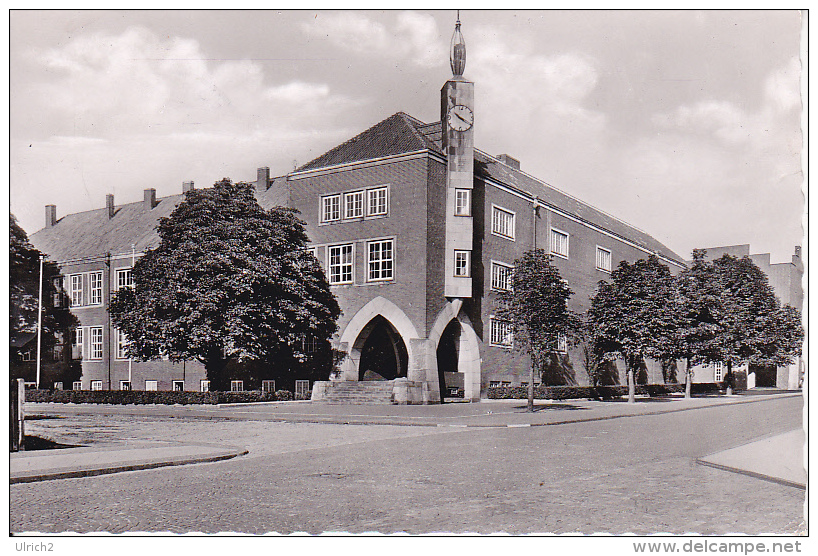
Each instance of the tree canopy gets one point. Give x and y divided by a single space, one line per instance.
228 280
537 308
24 285
634 316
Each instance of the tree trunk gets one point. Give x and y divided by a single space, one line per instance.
531 384
728 378
688 379
214 369
631 385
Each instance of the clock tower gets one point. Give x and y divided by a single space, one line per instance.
457 121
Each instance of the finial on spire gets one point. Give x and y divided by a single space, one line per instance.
457 53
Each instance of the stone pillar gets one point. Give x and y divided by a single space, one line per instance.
423 368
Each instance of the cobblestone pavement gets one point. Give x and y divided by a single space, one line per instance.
621 475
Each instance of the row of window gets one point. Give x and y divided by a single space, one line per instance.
74 286
380 261
501 335
94 349
355 205
507 383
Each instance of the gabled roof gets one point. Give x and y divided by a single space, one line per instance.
92 234
401 133
395 135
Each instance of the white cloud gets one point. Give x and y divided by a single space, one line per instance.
411 36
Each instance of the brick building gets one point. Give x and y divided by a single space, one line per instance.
417 231
785 279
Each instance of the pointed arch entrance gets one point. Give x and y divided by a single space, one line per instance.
383 352
457 352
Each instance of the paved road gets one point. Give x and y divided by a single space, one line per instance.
636 474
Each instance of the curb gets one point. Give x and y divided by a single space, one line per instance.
753 474
120 468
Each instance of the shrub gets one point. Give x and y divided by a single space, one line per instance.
136 397
599 392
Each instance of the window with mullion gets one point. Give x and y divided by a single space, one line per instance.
378 201
462 263
76 290
559 243
502 222
340 264
330 208
501 276
354 204
95 280
381 260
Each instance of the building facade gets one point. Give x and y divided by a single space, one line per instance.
417 231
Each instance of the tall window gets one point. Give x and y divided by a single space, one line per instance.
501 334
302 387
462 202
330 208
76 290
603 259
378 201
204 386
718 371
380 263
124 278
96 342
501 276
121 345
462 263
77 348
354 204
340 264
502 222
562 343
96 288
559 243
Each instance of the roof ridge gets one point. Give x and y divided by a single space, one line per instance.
413 124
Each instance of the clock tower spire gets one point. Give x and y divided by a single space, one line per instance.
457 121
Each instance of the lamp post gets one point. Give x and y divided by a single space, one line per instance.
39 323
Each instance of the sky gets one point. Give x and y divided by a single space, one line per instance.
685 124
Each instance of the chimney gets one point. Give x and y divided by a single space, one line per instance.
150 198
50 215
263 180
509 161
109 203
187 186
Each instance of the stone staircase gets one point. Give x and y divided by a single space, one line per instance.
350 392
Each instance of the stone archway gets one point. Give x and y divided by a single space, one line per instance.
383 352
361 326
454 327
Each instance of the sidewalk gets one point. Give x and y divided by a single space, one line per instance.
111 458
64 463
779 459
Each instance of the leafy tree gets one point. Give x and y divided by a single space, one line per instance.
537 308
634 315
228 280
753 327
24 286
700 299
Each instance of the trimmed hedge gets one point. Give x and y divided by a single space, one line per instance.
123 397
599 392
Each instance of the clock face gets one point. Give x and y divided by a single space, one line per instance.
460 117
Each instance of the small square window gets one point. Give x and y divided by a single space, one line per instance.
77 385
377 201
151 386
237 386
494 384
502 222
354 204
501 333
96 385
268 385
302 386
462 263
331 208
58 386
124 278
501 276
462 202
603 259
559 243
125 385
178 385
204 386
